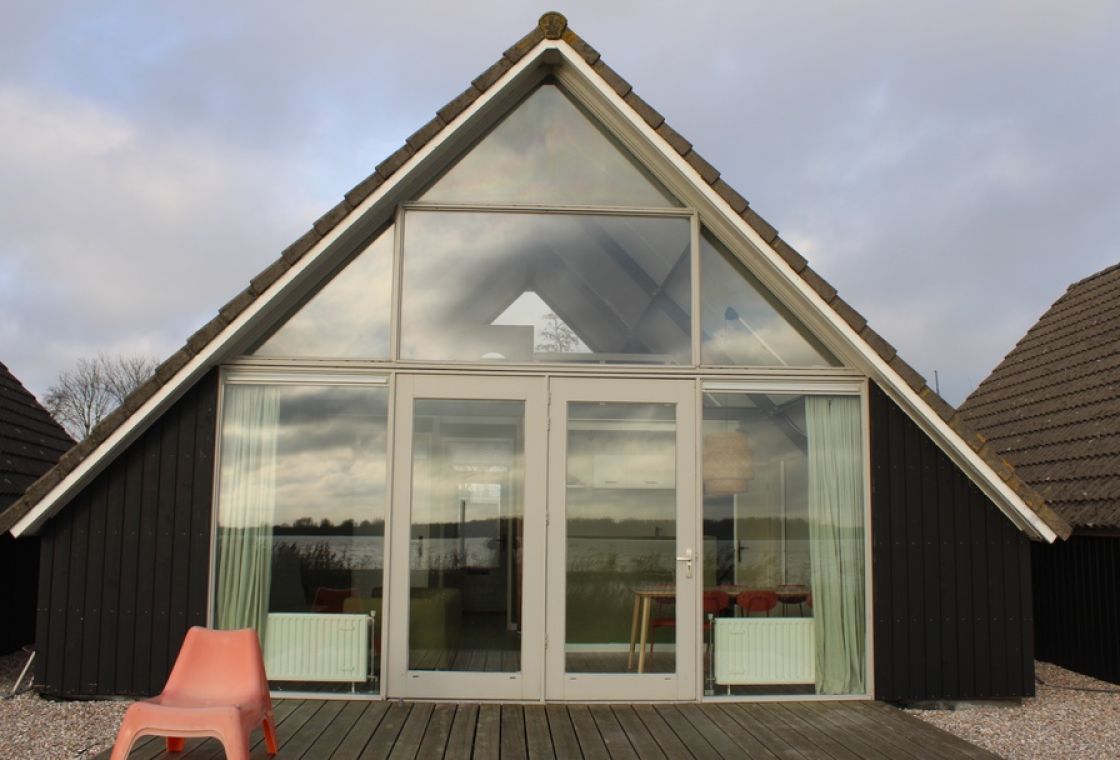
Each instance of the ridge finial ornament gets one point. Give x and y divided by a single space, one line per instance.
553 25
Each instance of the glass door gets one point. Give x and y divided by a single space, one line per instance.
622 554
467 582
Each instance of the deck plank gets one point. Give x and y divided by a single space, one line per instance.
348 730
381 743
666 738
563 733
434 742
614 737
488 733
587 733
513 733
760 728
460 740
538 738
359 734
687 733
407 745
641 739
726 737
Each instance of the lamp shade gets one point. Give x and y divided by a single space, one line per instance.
728 465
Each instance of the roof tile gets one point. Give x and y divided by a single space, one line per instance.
460 103
486 79
521 48
764 229
305 243
648 113
671 136
792 257
707 172
819 284
422 136
737 202
329 220
611 77
577 43
398 159
854 319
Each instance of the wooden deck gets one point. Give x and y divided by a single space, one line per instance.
314 729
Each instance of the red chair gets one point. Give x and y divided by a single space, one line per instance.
217 689
715 602
757 601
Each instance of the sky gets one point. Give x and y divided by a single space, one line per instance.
950 167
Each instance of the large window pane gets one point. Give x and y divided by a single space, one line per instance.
348 317
510 287
742 324
465 548
301 515
548 152
783 504
621 499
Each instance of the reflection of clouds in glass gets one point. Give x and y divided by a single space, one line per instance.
604 276
740 325
348 317
546 151
330 453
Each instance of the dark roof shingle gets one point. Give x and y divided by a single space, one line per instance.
30 440
1052 406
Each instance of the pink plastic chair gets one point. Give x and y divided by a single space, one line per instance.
217 689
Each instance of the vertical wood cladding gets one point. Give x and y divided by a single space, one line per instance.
1077 595
123 567
951 575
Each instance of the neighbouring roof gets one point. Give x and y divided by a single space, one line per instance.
30 440
1028 507
1052 406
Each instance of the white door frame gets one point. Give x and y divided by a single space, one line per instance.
631 687
428 684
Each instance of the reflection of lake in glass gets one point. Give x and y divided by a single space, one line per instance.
367 553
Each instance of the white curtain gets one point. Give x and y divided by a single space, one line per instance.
247 502
836 541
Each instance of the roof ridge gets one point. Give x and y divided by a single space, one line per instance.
552 26
1103 272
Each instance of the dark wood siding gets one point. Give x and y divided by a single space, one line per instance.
1077 595
951 575
124 566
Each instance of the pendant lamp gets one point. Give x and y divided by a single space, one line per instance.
728 466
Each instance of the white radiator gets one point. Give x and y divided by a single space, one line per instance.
301 646
764 650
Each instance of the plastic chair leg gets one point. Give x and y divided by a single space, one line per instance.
270 735
123 745
176 743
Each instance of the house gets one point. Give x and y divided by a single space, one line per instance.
30 443
542 410
1050 408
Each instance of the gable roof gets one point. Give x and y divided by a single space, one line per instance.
1052 406
552 43
30 439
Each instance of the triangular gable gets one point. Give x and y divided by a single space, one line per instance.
552 44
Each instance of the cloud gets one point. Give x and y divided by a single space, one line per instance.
119 237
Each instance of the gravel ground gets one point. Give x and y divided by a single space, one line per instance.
31 727
1060 722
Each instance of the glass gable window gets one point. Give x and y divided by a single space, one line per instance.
347 318
548 152
517 287
784 607
301 525
742 324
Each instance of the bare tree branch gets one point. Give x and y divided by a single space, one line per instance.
83 396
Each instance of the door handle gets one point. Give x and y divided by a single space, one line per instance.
687 559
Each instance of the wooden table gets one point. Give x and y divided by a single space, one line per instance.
643 602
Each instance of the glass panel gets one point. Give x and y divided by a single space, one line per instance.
616 288
783 531
742 324
621 501
465 552
301 516
348 317
548 152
